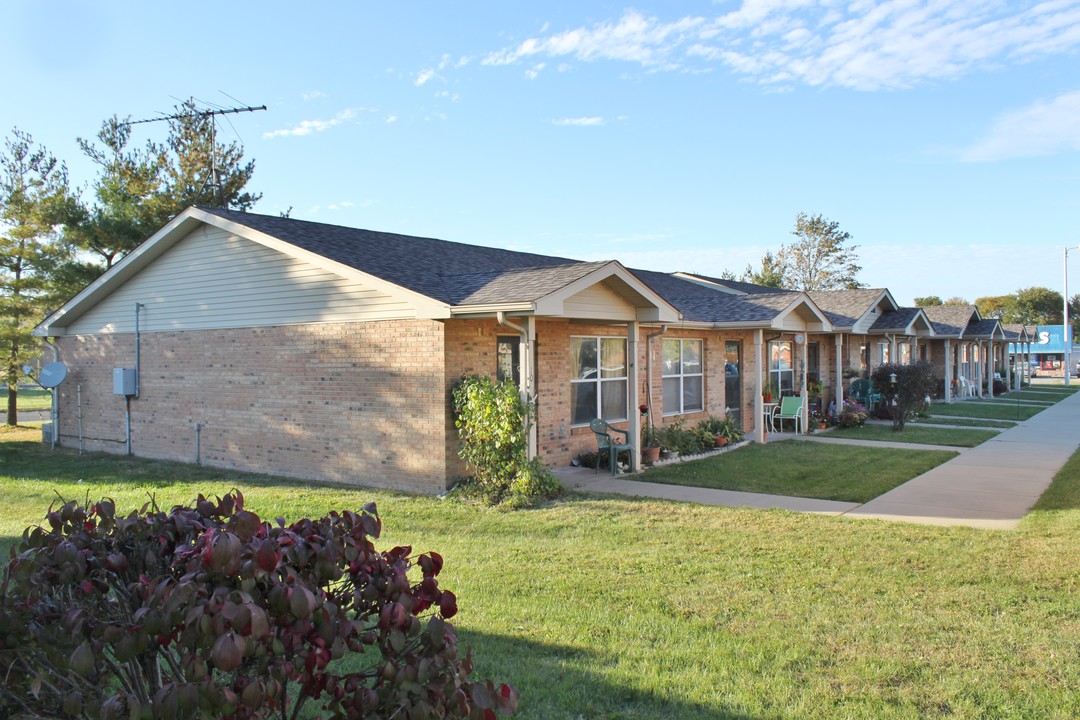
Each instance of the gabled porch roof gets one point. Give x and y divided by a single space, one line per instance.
909 321
708 306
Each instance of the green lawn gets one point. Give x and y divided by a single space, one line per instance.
977 409
802 468
601 607
964 422
915 434
30 399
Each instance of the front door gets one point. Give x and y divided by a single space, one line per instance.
733 380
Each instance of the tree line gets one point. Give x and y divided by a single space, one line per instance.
55 239
1027 306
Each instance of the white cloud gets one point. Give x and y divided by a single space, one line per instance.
579 122
391 119
424 76
633 38
534 72
860 44
307 127
1044 128
312 95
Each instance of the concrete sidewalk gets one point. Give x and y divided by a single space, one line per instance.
991 486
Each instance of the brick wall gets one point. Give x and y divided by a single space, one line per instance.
359 403
559 443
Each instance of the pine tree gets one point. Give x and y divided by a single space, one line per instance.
34 201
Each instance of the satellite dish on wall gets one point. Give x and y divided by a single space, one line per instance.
52 375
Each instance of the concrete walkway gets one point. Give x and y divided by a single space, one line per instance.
991 486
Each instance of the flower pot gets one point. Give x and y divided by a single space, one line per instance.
767 398
650 455
721 441
822 425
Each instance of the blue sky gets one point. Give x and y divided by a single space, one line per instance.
944 136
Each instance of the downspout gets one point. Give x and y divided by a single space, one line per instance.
648 369
138 368
54 413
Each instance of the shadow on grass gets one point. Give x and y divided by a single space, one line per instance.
559 681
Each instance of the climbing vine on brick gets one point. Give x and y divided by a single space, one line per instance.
492 422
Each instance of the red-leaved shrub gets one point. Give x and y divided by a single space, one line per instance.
207 611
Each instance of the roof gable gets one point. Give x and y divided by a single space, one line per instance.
436 277
856 309
910 321
951 321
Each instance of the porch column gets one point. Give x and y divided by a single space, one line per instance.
1010 360
990 369
838 395
805 413
948 370
892 350
528 378
759 409
633 335
982 367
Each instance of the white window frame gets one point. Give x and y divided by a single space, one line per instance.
777 373
682 375
600 380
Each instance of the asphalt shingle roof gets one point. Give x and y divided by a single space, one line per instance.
894 320
461 274
740 286
454 273
1013 330
702 304
981 328
950 320
845 307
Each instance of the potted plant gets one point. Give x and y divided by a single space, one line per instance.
767 391
710 427
650 444
730 430
725 430
816 416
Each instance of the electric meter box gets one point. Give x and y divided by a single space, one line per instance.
123 381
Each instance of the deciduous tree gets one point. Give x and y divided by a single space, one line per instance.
928 301
820 258
1036 306
994 306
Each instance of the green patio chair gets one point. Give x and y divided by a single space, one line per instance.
790 409
862 391
604 441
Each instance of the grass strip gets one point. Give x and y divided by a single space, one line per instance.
802 468
916 435
964 422
980 410
30 399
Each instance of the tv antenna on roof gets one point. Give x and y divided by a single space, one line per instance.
212 113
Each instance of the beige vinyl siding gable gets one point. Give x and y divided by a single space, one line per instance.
598 302
214 279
